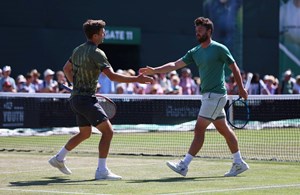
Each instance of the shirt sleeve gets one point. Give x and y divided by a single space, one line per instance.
226 56
188 58
100 59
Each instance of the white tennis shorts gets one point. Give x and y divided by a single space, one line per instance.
212 106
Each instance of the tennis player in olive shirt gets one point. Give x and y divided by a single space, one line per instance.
83 69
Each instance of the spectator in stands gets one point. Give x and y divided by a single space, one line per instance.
187 82
164 82
270 87
130 86
9 82
287 83
176 88
120 88
106 85
1 73
154 88
61 80
49 85
211 59
296 88
8 87
20 82
36 81
231 86
83 68
140 88
254 88
28 87
198 85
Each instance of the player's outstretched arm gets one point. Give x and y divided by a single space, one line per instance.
168 67
126 79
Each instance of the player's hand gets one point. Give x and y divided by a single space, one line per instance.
147 71
243 93
144 79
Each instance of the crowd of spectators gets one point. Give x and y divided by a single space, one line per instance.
173 83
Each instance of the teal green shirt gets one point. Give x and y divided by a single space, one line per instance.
88 62
210 62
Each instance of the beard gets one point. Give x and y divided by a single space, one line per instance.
203 38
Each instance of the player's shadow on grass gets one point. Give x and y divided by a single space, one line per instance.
51 180
176 179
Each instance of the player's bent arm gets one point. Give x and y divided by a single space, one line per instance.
238 78
68 70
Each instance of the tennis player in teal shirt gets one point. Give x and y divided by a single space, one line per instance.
211 58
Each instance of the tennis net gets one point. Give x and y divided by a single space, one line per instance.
151 125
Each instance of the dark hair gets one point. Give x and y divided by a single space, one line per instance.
91 27
206 22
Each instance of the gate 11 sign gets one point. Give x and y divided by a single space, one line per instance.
122 35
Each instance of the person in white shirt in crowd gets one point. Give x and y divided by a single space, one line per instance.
106 85
20 82
28 87
155 87
164 82
61 80
296 88
1 73
255 87
287 83
36 81
269 87
7 79
187 82
49 85
176 89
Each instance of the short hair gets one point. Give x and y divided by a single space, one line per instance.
206 22
91 27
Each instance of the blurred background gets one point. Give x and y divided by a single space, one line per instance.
42 34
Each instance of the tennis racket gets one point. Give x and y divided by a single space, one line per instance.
238 112
109 107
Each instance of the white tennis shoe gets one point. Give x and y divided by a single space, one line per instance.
237 168
106 175
60 165
179 167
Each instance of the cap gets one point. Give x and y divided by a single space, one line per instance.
288 72
48 72
6 68
21 79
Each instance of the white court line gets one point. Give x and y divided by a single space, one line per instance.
47 191
235 189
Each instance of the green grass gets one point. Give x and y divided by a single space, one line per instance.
268 144
29 173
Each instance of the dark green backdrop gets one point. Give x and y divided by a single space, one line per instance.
41 34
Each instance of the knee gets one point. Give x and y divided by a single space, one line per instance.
108 133
85 135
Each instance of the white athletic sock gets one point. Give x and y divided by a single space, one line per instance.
187 159
102 164
237 158
62 154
